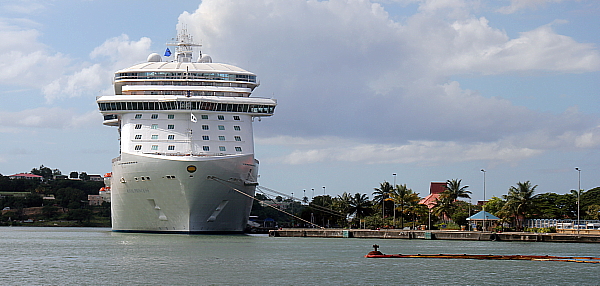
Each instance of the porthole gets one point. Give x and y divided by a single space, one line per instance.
191 168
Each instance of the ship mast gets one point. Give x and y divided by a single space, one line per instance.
184 46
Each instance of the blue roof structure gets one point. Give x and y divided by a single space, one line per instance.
479 216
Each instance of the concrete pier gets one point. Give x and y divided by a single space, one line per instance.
434 234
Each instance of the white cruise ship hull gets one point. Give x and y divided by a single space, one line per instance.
154 193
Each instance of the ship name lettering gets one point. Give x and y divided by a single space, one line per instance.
138 191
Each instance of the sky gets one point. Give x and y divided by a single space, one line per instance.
429 90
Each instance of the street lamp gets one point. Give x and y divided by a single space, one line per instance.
304 198
578 195
323 205
313 196
483 206
394 210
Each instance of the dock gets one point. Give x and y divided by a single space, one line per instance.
435 234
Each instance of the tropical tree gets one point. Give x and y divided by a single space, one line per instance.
454 190
418 212
555 206
494 206
520 201
342 203
593 211
359 205
443 208
402 198
381 195
446 203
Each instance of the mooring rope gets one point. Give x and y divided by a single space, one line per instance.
221 181
311 205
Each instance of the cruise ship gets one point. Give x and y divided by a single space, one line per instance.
186 162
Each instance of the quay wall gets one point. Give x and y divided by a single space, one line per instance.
435 234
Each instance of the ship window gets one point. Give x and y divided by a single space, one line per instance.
237 138
154 126
205 137
138 136
221 138
205 148
220 117
222 148
155 136
204 127
138 147
171 116
236 117
238 149
171 137
138 116
154 116
204 116
236 128
154 147
221 127
171 147
138 126
171 126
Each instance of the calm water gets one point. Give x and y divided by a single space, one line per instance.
97 256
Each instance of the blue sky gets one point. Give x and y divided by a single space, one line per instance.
428 90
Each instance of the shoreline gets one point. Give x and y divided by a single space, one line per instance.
436 235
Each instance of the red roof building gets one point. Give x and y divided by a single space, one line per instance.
435 190
25 176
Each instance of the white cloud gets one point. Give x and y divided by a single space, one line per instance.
420 152
46 117
115 53
344 69
590 139
25 61
516 5
22 6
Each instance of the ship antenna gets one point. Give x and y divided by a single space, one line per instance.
184 46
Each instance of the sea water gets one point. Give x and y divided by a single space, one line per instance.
97 256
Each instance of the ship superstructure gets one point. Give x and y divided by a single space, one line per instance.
182 122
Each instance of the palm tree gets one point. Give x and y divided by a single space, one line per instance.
359 205
445 206
519 201
342 203
381 194
455 191
401 196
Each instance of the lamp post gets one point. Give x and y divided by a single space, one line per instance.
483 206
394 210
578 195
304 198
313 196
323 205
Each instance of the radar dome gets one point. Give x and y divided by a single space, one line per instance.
154 57
205 59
